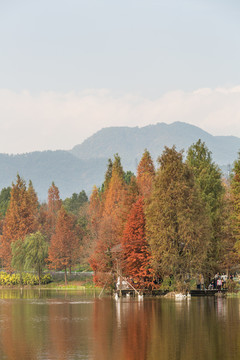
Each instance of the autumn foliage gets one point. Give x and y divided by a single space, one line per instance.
136 250
64 245
145 174
20 220
114 213
177 221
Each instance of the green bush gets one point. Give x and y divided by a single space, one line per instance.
168 284
231 286
27 279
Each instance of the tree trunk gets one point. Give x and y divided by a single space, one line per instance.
65 275
39 276
70 270
21 279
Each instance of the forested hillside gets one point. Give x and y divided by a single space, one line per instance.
84 165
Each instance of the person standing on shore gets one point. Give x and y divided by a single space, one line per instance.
215 280
202 282
224 280
219 283
198 281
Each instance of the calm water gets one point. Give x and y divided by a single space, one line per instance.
74 325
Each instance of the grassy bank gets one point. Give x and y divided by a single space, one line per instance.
71 285
53 280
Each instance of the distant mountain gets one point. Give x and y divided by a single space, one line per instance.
69 173
85 165
130 143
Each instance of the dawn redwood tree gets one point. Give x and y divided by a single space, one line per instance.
136 250
117 167
235 192
64 245
177 226
108 175
20 220
94 212
93 223
33 205
114 213
145 174
208 177
234 217
54 201
42 220
230 249
53 206
132 192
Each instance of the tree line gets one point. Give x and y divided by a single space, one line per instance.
35 235
176 221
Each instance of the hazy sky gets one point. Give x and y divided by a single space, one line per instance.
70 67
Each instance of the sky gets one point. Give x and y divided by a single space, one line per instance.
71 67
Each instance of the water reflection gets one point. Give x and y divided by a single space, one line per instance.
64 326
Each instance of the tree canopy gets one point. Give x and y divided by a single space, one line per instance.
136 250
36 248
20 219
209 179
64 246
177 226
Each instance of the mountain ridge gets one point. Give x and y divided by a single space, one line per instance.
85 164
154 137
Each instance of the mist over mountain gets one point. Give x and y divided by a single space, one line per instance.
69 173
84 166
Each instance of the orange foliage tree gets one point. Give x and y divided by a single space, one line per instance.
93 219
33 206
64 245
49 212
136 251
20 220
114 214
145 174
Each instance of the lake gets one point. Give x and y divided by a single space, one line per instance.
78 325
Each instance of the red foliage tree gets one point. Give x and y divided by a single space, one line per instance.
64 245
136 250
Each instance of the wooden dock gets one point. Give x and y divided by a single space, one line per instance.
146 292
206 292
197 292
125 292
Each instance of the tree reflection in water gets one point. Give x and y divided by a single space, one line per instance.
70 326
167 330
127 323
